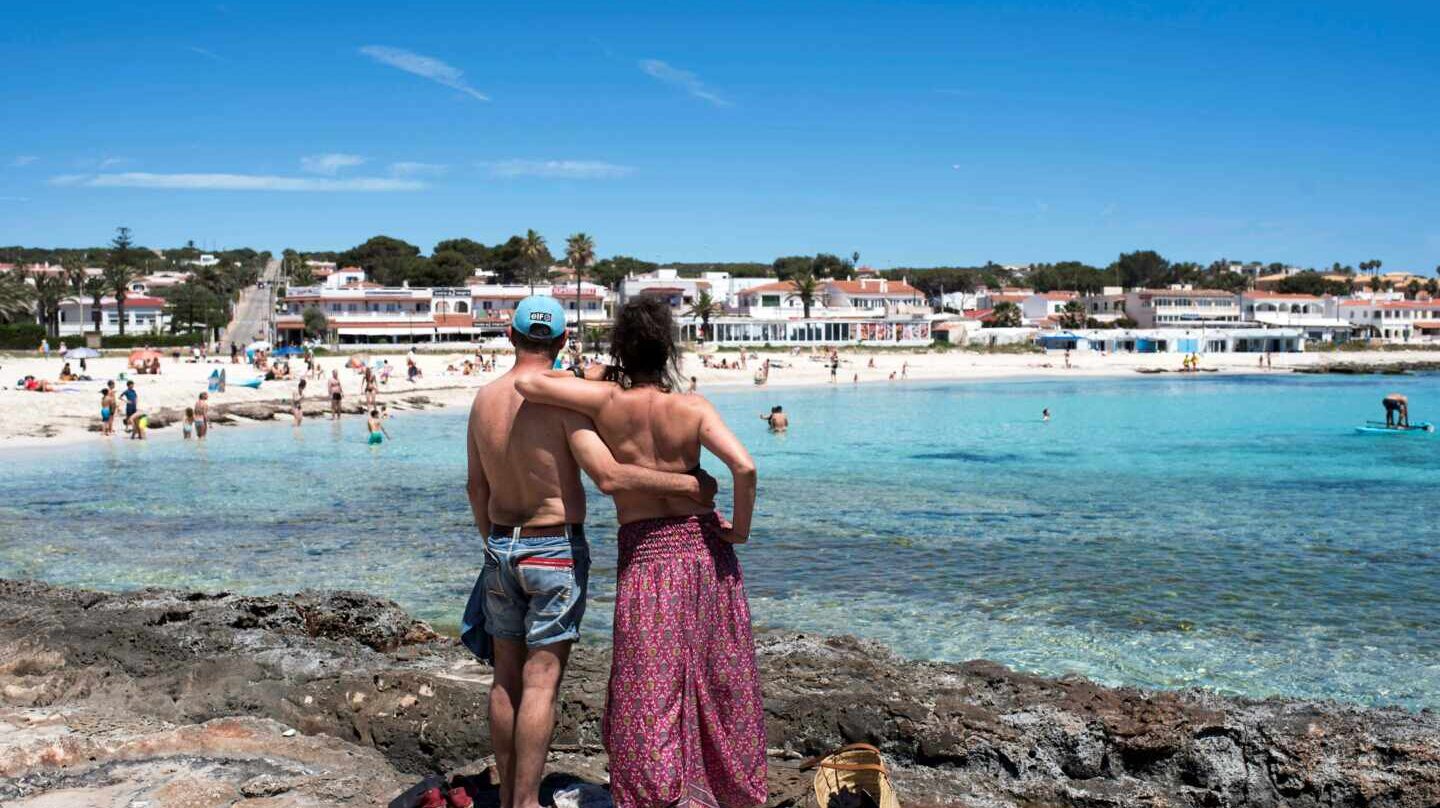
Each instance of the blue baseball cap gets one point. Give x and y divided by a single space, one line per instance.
539 317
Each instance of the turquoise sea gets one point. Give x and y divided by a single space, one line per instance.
1230 533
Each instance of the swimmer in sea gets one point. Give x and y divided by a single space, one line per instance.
1045 414
779 421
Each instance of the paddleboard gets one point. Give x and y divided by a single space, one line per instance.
1376 428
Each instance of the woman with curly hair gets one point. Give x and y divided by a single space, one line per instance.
684 723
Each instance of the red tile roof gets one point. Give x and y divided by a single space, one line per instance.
873 286
1278 296
778 286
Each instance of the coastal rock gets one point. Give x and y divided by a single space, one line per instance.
88 674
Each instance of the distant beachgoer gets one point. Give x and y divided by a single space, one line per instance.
855 380
834 368
871 364
132 401
139 426
202 416
371 387
45 348
297 403
1067 358
63 349
778 420
187 427
1045 414
234 354
892 375
67 375
336 394
905 370
694 384
1397 410
377 429
107 411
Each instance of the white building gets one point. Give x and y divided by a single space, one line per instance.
1162 308
1044 308
143 315
1393 320
1318 317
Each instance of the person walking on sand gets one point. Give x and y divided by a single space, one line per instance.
525 494
337 393
202 416
684 722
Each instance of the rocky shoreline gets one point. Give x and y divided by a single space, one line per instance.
161 697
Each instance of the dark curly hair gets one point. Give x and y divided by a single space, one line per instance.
643 343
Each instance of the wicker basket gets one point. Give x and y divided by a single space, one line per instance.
858 768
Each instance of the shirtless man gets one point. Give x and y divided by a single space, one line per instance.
779 421
336 394
528 503
1397 410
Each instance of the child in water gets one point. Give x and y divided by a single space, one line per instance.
187 427
377 429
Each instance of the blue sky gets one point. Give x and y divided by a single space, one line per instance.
915 133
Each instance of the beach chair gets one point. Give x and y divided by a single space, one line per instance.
853 776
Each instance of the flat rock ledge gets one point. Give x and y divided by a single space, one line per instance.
158 698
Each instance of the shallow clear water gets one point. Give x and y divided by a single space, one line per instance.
1230 533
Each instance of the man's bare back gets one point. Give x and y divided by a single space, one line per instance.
533 478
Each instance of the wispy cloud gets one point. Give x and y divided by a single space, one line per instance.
114 162
22 160
209 54
684 79
233 182
329 164
424 67
559 169
413 169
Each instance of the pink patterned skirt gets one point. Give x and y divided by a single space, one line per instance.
685 723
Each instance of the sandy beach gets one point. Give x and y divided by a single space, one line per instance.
72 413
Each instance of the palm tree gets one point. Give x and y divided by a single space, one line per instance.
120 270
95 289
806 287
1005 315
580 255
532 250
1073 315
704 307
49 292
15 296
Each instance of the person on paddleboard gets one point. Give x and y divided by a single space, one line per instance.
1397 411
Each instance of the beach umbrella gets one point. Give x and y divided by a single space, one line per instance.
82 353
287 350
259 345
144 355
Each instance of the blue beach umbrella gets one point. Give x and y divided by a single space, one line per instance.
82 353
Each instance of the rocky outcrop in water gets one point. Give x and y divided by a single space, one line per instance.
1359 368
340 698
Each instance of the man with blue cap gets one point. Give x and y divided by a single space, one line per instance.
529 505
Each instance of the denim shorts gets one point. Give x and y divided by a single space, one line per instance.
535 586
